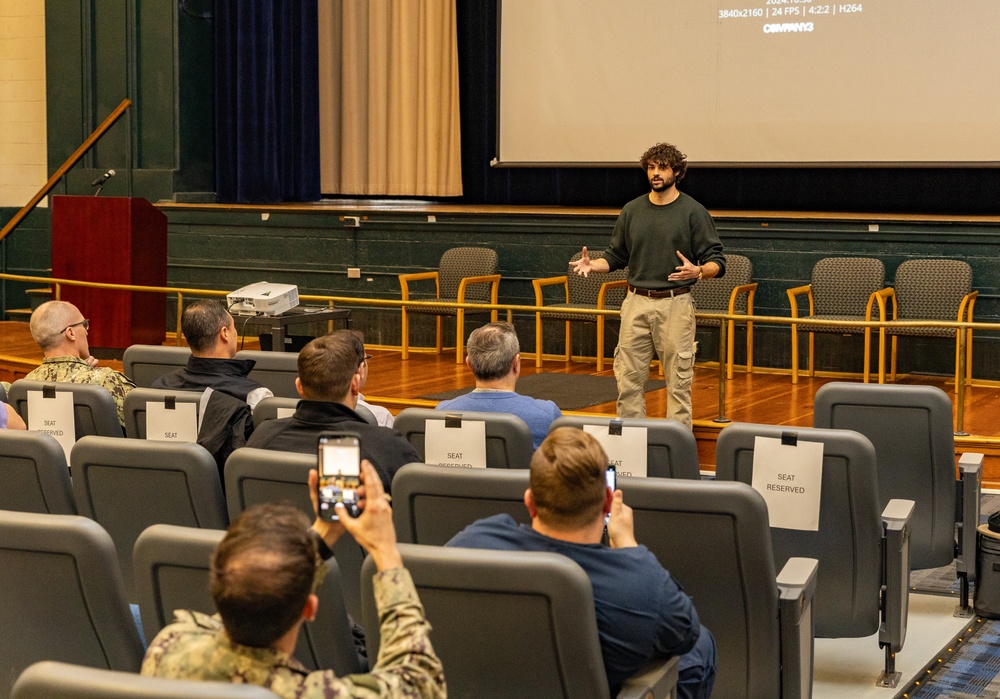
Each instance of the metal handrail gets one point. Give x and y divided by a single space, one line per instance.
511 308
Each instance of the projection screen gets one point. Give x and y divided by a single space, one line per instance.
750 82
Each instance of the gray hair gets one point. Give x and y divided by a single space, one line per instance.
492 349
48 321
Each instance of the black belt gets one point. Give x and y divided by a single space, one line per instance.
664 294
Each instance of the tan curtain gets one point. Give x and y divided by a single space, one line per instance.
389 97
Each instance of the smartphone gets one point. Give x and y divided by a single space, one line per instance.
611 478
339 474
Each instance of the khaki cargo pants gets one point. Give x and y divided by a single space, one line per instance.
665 325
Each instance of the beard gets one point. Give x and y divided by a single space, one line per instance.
662 184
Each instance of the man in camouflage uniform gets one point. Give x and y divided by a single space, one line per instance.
61 331
262 578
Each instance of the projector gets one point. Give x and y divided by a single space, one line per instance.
263 298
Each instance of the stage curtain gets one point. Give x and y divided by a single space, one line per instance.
266 101
389 98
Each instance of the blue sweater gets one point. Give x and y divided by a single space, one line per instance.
537 414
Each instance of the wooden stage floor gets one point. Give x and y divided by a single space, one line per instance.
766 396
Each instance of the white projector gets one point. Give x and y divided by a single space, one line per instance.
263 298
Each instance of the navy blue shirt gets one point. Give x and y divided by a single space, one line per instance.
642 613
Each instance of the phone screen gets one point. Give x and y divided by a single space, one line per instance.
610 477
339 471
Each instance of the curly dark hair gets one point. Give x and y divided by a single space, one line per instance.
666 154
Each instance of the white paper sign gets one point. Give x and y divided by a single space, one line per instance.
789 479
53 416
464 445
177 425
285 412
626 451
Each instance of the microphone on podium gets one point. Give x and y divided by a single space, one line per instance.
103 178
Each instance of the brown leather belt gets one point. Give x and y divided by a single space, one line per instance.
664 294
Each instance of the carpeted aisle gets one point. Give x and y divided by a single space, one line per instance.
967 669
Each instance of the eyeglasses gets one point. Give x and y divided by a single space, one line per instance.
85 323
368 357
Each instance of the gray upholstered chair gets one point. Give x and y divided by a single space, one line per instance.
274 370
52 680
927 290
732 293
35 474
464 275
94 409
127 485
671 449
863 581
259 475
135 406
713 538
512 624
842 288
600 291
508 438
911 430
171 572
63 597
431 504
144 364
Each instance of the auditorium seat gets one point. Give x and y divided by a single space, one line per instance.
144 364
508 438
35 474
94 409
274 370
135 406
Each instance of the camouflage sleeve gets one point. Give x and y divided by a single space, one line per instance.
407 666
118 385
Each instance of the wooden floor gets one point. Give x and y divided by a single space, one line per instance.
764 396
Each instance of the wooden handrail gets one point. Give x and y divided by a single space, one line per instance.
64 168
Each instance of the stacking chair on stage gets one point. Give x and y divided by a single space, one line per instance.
274 370
671 449
732 293
63 597
94 409
927 290
254 476
431 504
842 288
508 438
127 485
512 624
268 408
171 572
465 275
135 406
144 364
600 291
35 474
911 430
51 680
713 538
863 580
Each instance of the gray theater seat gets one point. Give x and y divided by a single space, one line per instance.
51 680
144 364
35 474
508 438
127 485
171 572
671 449
94 409
259 475
912 431
537 607
135 406
863 580
431 503
274 370
63 597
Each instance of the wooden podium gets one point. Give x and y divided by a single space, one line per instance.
113 240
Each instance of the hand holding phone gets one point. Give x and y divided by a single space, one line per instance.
339 474
611 478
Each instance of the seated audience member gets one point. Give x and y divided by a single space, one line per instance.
61 331
263 576
642 613
329 381
9 419
210 332
494 356
382 415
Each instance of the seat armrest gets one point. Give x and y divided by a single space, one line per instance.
970 473
796 589
405 279
608 286
965 308
539 284
492 279
750 290
880 297
895 573
797 291
655 680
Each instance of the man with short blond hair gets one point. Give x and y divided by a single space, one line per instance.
642 613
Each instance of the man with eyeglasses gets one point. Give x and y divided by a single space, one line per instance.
61 331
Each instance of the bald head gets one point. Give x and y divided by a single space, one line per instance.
49 323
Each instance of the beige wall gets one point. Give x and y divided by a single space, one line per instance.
22 100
